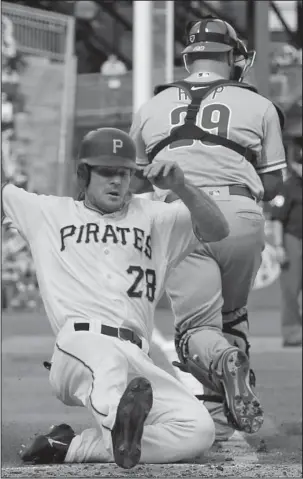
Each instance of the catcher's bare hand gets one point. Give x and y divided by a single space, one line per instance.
166 175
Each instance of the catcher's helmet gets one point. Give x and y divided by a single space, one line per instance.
214 35
108 147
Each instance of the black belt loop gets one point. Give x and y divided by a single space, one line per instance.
81 326
110 331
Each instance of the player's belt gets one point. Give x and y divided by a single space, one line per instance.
122 333
234 190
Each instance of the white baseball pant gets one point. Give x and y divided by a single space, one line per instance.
92 370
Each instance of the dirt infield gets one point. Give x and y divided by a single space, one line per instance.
156 471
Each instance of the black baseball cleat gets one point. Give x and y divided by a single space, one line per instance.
133 409
242 407
50 448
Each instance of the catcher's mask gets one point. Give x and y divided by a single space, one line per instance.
214 35
105 148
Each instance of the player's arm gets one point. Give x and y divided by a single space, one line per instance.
273 160
20 208
280 206
279 212
271 182
208 222
139 183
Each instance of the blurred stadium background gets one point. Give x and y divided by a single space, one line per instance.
68 67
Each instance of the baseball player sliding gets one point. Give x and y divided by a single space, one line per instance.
227 139
101 265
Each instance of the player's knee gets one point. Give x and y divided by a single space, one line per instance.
203 432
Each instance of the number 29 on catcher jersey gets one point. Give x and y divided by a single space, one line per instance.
214 118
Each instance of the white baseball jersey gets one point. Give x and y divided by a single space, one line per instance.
235 113
92 266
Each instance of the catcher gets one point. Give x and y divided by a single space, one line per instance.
227 139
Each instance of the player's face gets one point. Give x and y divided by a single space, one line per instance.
108 187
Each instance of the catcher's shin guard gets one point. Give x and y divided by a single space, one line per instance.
235 332
193 365
203 375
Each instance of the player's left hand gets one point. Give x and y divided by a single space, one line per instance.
166 175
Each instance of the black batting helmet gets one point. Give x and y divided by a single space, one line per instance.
108 147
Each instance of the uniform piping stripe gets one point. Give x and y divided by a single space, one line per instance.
93 376
271 166
282 160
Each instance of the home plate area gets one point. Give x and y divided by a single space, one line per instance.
30 408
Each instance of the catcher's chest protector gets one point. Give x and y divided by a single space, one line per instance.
189 130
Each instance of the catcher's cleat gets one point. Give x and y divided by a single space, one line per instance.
50 448
242 407
133 409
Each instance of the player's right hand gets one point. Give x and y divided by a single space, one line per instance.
166 175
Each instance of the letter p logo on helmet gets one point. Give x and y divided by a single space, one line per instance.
117 144
108 147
